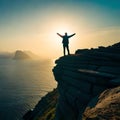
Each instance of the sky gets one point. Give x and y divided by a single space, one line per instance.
31 25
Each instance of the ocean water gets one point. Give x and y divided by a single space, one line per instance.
22 84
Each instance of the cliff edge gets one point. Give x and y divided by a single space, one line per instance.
88 87
82 77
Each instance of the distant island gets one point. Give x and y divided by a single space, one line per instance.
20 55
6 55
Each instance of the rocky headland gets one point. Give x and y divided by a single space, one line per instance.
20 55
88 87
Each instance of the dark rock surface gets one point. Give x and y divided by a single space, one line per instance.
82 77
88 87
45 109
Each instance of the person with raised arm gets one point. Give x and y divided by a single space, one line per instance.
65 42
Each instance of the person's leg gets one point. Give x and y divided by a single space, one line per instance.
64 50
68 50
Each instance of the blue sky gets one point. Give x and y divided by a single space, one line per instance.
32 24
10 8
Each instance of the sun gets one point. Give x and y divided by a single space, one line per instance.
60 27
50 41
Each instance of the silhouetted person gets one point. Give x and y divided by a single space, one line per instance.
66 42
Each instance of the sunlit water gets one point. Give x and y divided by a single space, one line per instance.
22 84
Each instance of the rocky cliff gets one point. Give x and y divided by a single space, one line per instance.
82 77
88 87
107 107
45 109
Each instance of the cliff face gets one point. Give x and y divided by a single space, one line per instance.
107 107
82 77
88 87
45 109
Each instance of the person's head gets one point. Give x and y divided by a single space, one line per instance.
66 34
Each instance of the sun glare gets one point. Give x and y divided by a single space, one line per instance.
54 41
60 28
63 29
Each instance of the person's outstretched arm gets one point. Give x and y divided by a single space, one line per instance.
59 35
72 35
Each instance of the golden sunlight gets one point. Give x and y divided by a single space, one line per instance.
52 41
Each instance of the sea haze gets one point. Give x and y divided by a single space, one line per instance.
22 84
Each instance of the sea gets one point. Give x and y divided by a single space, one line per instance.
22 84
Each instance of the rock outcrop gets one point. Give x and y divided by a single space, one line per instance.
82 77
107 107
88 87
